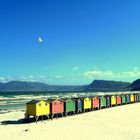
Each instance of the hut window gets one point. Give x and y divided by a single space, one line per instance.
60 102
46 104
85 100
39 104
55 103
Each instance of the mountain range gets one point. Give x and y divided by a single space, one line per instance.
20 86
96 85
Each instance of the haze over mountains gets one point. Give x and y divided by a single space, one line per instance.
96 85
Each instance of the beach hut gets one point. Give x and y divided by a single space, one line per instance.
131 98
119 100
95 102
108 100
69 106
113 100
86 103
135 97
56 107
37 108
102 102
138 97
127 98
123 99
79 105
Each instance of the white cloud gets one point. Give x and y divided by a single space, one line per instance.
98 73
49 80
2 79
110 74
75 68
58 76
42 76
31 77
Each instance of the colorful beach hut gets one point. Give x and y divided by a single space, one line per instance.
131 98
102 102
127 98
123 99
95 102
138 97
86 103
79 105
113 100
108 101
69 106
37 108
135 97
119 100
56 107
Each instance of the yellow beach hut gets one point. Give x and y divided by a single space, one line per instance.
37 108
86 103
113 100
131 98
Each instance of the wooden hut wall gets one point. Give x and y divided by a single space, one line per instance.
42 108
69 105
87 103
131 98
108 101
31 109
79 105
123 99
119 100
113 100
139 96
95 102
57 106
103 101
128 98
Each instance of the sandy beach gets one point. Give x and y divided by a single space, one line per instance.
117 123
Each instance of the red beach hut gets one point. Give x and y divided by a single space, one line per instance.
135 98
56 107
95 102
119 100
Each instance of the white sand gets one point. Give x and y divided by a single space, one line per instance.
117 123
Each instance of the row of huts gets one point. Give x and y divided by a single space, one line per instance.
64 106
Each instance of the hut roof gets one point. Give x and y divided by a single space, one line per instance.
103 96
47 100
95 96
82 98
54 99
65 99
76 98
33 102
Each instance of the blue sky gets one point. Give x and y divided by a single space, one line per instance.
83 40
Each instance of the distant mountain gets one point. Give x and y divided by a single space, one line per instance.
19 86
96 85
104 85
135 85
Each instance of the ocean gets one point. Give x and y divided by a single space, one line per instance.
11 101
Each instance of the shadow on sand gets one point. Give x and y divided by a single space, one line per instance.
20 121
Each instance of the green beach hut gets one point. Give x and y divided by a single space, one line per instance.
103 102
137 97
123 99
69 106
